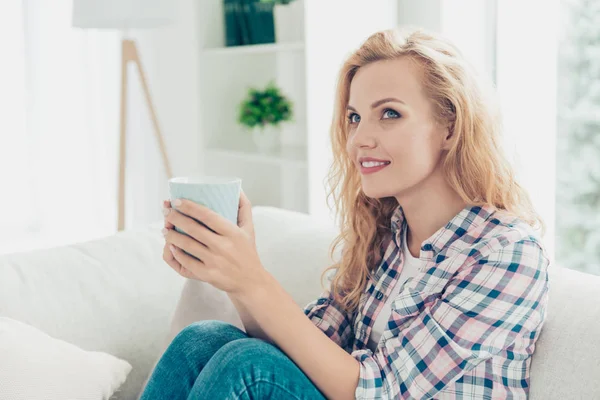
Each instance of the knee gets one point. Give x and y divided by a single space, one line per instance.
208 328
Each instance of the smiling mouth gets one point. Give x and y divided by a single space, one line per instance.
370 164
369 167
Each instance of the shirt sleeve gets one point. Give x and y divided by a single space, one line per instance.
481 312
327 315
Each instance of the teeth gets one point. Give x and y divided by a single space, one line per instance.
370 164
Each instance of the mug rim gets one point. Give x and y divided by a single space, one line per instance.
209 179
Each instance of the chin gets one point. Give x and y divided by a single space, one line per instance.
378 192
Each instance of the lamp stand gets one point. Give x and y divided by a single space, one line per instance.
130 54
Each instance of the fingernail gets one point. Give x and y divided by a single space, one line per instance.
177 202
166 211
164 231
172 248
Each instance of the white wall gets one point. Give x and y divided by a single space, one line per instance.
170 57
527 79
423 13
470 24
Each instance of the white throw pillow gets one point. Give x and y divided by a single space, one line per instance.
35 366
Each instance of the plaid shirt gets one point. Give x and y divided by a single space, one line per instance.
464 327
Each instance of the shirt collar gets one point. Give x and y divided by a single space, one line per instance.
469 218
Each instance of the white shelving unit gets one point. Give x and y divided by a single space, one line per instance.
305 69
285 156
255 49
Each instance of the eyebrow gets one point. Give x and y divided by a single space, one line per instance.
380 102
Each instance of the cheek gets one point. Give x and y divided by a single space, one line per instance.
417 152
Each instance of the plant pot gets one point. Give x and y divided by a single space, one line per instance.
289 22
266 138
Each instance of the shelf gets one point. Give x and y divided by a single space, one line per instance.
286 155
255 49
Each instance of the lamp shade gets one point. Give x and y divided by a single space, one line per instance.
123 14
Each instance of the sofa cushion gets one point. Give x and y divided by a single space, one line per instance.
566 361
114 295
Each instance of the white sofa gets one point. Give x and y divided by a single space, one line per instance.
116 295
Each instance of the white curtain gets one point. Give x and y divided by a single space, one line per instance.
58 127
15 170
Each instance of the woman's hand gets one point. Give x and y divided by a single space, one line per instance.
226 255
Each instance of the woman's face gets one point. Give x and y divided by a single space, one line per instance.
391 120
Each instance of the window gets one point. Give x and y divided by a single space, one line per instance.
578 139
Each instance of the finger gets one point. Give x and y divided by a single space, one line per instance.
174 264
244 211
243 199
167 206
188 244
208 217
189 263
194 228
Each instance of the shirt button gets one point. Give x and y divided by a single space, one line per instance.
379 296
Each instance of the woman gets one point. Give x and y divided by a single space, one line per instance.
441 289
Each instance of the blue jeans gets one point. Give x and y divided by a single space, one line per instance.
215 360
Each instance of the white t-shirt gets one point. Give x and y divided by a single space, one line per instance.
410 269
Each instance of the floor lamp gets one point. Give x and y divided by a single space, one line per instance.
123 15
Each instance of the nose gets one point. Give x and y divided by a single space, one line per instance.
363 137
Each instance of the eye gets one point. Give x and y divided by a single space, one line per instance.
353 118
388 113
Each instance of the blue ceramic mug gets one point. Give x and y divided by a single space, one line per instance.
219 193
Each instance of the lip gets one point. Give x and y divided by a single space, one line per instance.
371 170
361 159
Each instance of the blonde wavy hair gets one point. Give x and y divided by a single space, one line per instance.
475 166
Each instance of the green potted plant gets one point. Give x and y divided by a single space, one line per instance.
288 18
263 112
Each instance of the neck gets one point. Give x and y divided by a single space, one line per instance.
428 208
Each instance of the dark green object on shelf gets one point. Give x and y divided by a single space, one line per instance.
233 33
261 25
242 21
277 1
248 22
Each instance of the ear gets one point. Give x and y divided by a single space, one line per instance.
448 137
